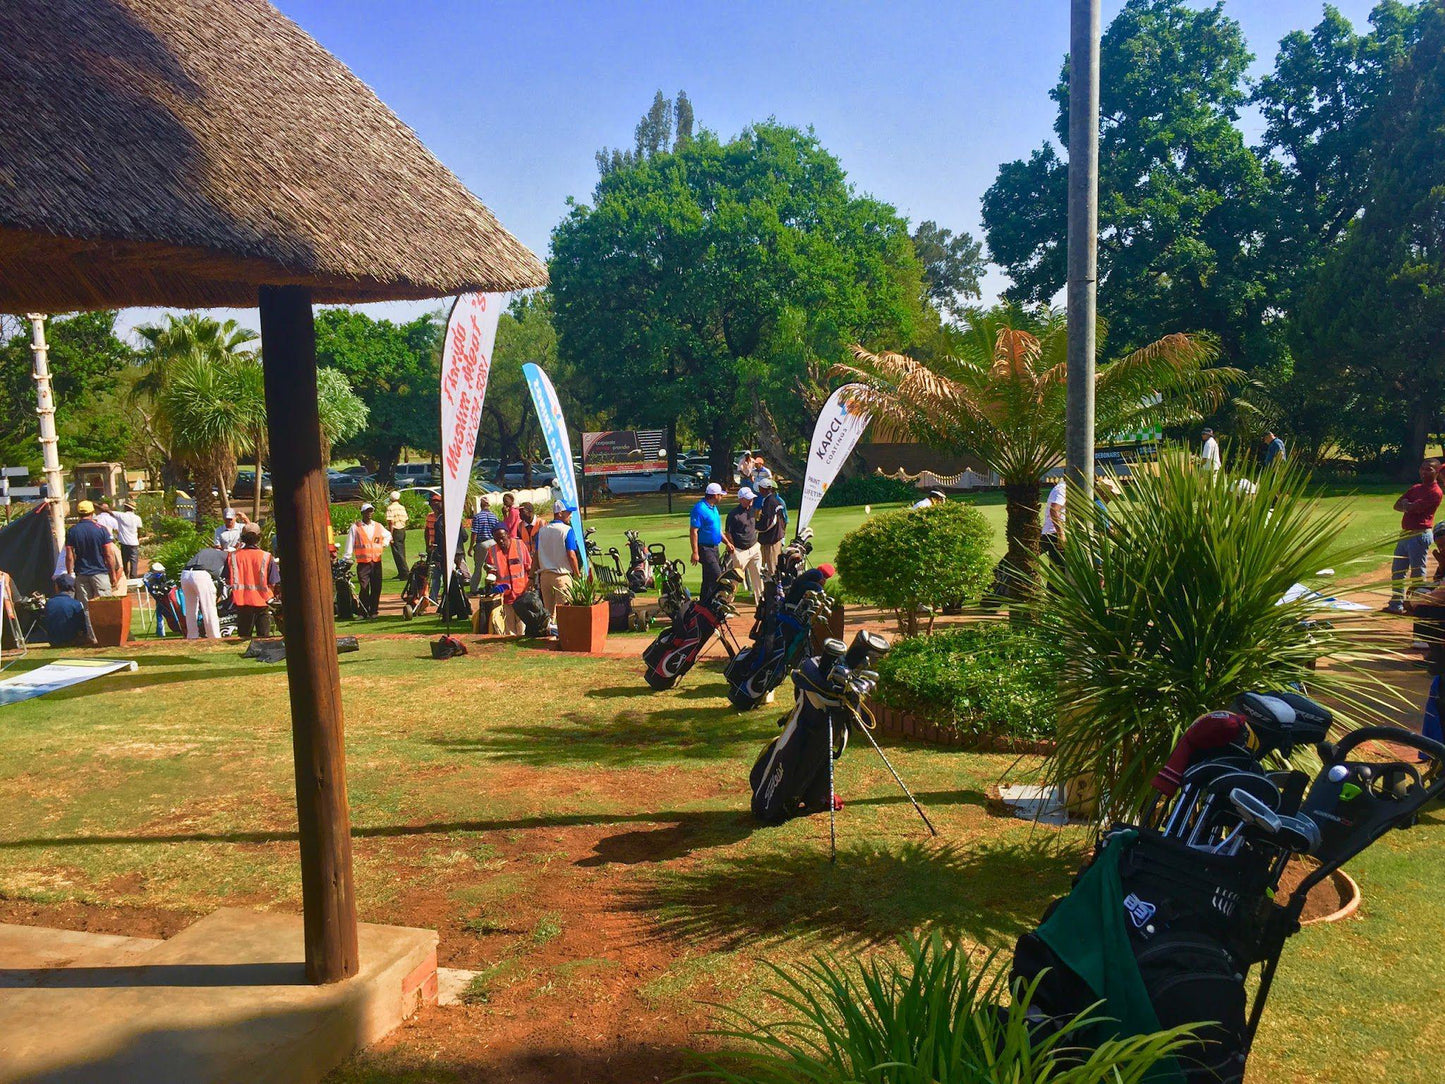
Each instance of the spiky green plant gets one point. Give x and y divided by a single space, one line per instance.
930 1019
1177 607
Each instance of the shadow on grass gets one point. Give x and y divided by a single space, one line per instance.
626 739
626 1062
871 895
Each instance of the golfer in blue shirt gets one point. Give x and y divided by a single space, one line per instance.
706 535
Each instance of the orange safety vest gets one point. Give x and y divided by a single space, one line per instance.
250 573
511 569
366 547
528 532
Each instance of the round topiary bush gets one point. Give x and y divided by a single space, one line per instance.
917 559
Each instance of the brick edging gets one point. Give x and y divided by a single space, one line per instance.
906 725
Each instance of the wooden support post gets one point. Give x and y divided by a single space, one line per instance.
302 512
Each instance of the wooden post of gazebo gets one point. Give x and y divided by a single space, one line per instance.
302 510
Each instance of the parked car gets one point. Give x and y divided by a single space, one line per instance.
246 484
414 474
343 487
486 468
514 475
653 481
360 472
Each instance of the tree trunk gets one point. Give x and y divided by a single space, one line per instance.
720 452
1421 415
1022 533
386 465
206 507
770 442
256 492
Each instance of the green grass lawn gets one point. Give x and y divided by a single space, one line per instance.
585 846
1371 518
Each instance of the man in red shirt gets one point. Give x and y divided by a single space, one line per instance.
1417 520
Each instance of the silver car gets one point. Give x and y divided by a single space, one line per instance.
653 481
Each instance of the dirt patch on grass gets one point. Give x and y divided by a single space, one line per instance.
89 918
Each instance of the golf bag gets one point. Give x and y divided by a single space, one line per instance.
781 634
639 564
678 646
1165 922
170 605
531 612
344 592
672 596
416 594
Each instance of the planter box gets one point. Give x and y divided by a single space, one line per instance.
110 617
582 628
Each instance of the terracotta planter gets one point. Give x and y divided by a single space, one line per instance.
110 617
582 628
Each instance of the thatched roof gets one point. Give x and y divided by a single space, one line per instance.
182 152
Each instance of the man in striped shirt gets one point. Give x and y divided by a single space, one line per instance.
483 524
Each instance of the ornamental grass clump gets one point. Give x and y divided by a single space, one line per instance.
931 1018
1186 597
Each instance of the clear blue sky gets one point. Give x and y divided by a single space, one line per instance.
920 101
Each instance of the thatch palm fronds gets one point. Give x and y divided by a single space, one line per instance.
1002 394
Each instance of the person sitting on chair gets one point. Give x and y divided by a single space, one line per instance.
65 619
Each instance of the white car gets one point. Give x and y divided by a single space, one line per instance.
653 481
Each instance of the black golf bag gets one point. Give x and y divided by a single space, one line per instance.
678 646
781 636
792 776
345 593
639 564
672 596
1165 922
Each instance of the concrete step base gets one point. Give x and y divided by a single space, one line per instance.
224 1000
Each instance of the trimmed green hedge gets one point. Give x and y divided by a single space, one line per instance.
984 680
860 489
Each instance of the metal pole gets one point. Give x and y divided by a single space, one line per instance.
45 408
1083 246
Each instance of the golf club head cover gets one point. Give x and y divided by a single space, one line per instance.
1211 730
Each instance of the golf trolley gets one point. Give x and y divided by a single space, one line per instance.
1182 903
793 775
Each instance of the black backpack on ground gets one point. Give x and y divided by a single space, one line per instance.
531 612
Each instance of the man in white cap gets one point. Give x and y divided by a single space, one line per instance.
706 535
557 560
396 520
772 520
365 542
741 532
228 534
1209 454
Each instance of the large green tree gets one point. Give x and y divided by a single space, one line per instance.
712 283
395 369
1182 199
1370 327
953 264
88 363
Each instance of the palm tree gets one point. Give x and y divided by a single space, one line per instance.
211 414
166 346
1001 396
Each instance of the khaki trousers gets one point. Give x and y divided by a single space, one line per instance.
556 587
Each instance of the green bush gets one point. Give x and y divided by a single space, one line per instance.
985 680
912 558
1177 608
932 1018
343 516
163 529
860 489
178 550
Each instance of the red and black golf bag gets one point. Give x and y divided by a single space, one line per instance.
678 646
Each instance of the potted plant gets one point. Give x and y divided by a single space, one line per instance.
582 619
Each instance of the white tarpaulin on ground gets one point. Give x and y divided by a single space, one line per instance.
1300 593
466 362
834 438
57 675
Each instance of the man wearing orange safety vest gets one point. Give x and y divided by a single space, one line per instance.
254 576
509 561
365 543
